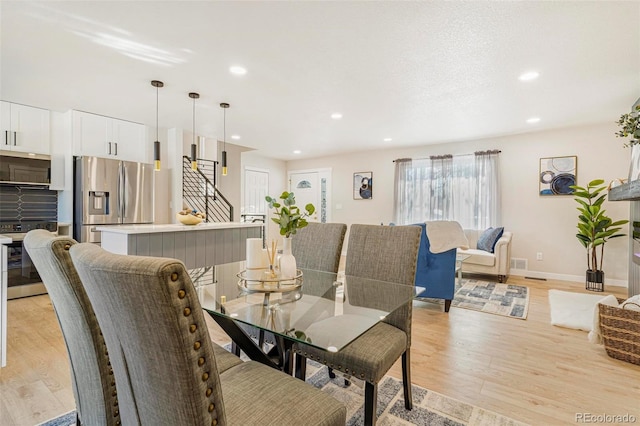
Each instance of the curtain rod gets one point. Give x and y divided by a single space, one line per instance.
436 157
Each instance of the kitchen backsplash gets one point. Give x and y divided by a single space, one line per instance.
26 203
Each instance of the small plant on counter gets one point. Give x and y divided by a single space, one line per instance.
630 126
287 215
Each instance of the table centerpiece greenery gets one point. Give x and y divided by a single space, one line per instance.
287 215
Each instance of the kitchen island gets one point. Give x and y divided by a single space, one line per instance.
3 297
198 246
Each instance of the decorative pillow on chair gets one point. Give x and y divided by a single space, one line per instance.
489 238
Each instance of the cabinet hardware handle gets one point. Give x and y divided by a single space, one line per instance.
109 149
15 138
116 145
6 137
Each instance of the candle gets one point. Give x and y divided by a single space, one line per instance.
256 256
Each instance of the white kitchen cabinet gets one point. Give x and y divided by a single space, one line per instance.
25 128
100 136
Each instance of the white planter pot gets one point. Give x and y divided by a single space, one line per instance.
287 262
634 168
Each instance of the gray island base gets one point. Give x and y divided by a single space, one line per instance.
198 246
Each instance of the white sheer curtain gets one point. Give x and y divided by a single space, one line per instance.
463 188
402 196
488 198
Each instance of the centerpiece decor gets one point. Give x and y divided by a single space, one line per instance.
630 127
595 228
289 218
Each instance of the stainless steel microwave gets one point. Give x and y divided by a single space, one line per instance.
25 169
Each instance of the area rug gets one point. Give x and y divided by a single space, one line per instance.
501 299
573 310
429 408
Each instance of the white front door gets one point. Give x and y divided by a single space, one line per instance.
312 186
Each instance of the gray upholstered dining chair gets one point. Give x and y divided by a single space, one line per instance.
147 303
94 388
318 246
385 253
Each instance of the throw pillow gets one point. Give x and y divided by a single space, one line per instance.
489 238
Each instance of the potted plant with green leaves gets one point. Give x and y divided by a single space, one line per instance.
595 228
629 124
289 218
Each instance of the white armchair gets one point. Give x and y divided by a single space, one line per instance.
482 262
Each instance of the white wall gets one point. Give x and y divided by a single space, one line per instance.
540 224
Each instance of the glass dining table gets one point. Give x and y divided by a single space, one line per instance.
322 309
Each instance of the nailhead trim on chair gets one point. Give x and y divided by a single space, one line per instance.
197 344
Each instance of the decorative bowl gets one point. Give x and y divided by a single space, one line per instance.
188 219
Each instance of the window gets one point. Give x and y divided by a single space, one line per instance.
463 188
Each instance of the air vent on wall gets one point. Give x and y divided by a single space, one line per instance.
519 263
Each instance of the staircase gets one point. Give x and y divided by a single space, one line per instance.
199 191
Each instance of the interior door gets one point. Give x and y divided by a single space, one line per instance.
256 188
306 187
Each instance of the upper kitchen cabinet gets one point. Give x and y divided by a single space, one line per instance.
100 136
25 128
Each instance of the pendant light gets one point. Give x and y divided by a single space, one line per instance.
194 147
224 106
156 145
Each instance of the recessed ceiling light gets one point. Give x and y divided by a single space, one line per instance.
236 137
533 120
528 76
336 116
297 151
387 139
237 70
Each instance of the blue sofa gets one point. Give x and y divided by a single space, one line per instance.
435 272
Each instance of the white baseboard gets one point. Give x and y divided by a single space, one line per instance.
565 277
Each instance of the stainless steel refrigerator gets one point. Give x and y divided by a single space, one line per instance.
110 192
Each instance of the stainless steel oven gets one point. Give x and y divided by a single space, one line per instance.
22 277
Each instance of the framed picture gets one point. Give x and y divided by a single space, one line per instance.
557 174
363 185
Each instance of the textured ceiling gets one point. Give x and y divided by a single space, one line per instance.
416 72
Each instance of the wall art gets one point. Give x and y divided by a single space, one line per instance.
557 175
363 185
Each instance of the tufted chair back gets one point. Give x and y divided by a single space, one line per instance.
94 386
150 314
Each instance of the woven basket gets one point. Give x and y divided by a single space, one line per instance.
620 329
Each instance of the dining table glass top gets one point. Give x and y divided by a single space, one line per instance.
327 310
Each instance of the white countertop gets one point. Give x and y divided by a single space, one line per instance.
173 227
5 239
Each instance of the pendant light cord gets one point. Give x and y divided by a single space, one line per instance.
157 90
224 134
194 120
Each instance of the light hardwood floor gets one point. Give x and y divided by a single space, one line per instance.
528 370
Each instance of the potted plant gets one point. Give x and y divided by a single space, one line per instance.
595 228
630 127
289 218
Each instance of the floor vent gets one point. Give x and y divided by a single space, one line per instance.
519 263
